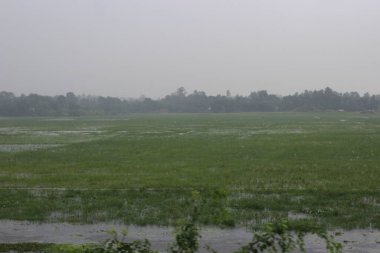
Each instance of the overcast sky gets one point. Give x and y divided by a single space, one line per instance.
128 48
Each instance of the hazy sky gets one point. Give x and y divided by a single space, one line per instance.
128 48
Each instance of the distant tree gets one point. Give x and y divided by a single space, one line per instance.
180 101
181 92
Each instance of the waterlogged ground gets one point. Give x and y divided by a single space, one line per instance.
222 240
141 169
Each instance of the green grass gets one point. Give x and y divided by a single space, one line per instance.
42 248
141 169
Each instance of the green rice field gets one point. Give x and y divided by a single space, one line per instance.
142 169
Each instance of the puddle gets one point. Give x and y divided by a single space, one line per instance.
298 216
59 119
26 147
64 132
17 131
223 240
11 130
247 132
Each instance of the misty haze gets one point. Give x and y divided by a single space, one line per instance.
189 126
132 48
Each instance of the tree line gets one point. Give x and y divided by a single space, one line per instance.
181 101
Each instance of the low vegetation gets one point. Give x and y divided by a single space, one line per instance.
311 168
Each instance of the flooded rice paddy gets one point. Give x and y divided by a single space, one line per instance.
311 168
